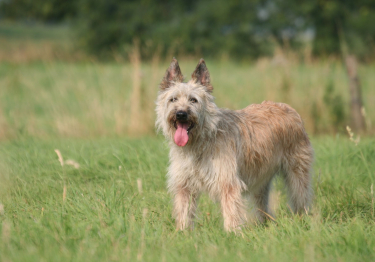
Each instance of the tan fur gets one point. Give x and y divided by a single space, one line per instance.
231 155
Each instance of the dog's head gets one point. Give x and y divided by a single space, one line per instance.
184 110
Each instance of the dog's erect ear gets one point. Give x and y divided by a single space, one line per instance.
202 76
172 75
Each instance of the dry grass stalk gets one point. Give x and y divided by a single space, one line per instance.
69 162
6 231
73 163
64 193
351 136
61 160
143 244
372 200
356 104
1 209
135 125
152 90
367 119
139 184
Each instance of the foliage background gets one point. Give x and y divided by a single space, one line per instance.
240 29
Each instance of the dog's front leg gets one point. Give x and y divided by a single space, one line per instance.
233 207
185 206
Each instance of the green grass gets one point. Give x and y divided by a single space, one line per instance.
104 216
50 212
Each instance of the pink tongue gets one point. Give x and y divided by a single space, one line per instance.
181 136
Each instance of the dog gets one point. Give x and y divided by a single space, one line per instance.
231 155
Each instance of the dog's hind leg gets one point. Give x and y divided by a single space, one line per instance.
185 206
297 177
261 203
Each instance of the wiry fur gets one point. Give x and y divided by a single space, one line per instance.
231 155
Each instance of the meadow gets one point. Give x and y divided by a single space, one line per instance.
115 207
103 197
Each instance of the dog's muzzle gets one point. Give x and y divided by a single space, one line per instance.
183 125
181 116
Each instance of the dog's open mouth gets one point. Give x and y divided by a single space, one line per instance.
181 137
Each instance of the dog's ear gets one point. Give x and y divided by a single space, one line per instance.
172 75
202 76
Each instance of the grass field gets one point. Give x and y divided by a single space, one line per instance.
98 212
113 206
59 99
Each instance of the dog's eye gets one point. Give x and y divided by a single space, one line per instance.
173 99
193 100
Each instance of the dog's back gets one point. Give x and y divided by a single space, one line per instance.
278 143
277 121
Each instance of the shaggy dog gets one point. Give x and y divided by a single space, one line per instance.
231 155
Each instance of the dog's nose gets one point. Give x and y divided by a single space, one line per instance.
181 115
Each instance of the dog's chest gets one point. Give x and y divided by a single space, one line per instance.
204 174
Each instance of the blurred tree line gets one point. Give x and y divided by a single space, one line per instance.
237 28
